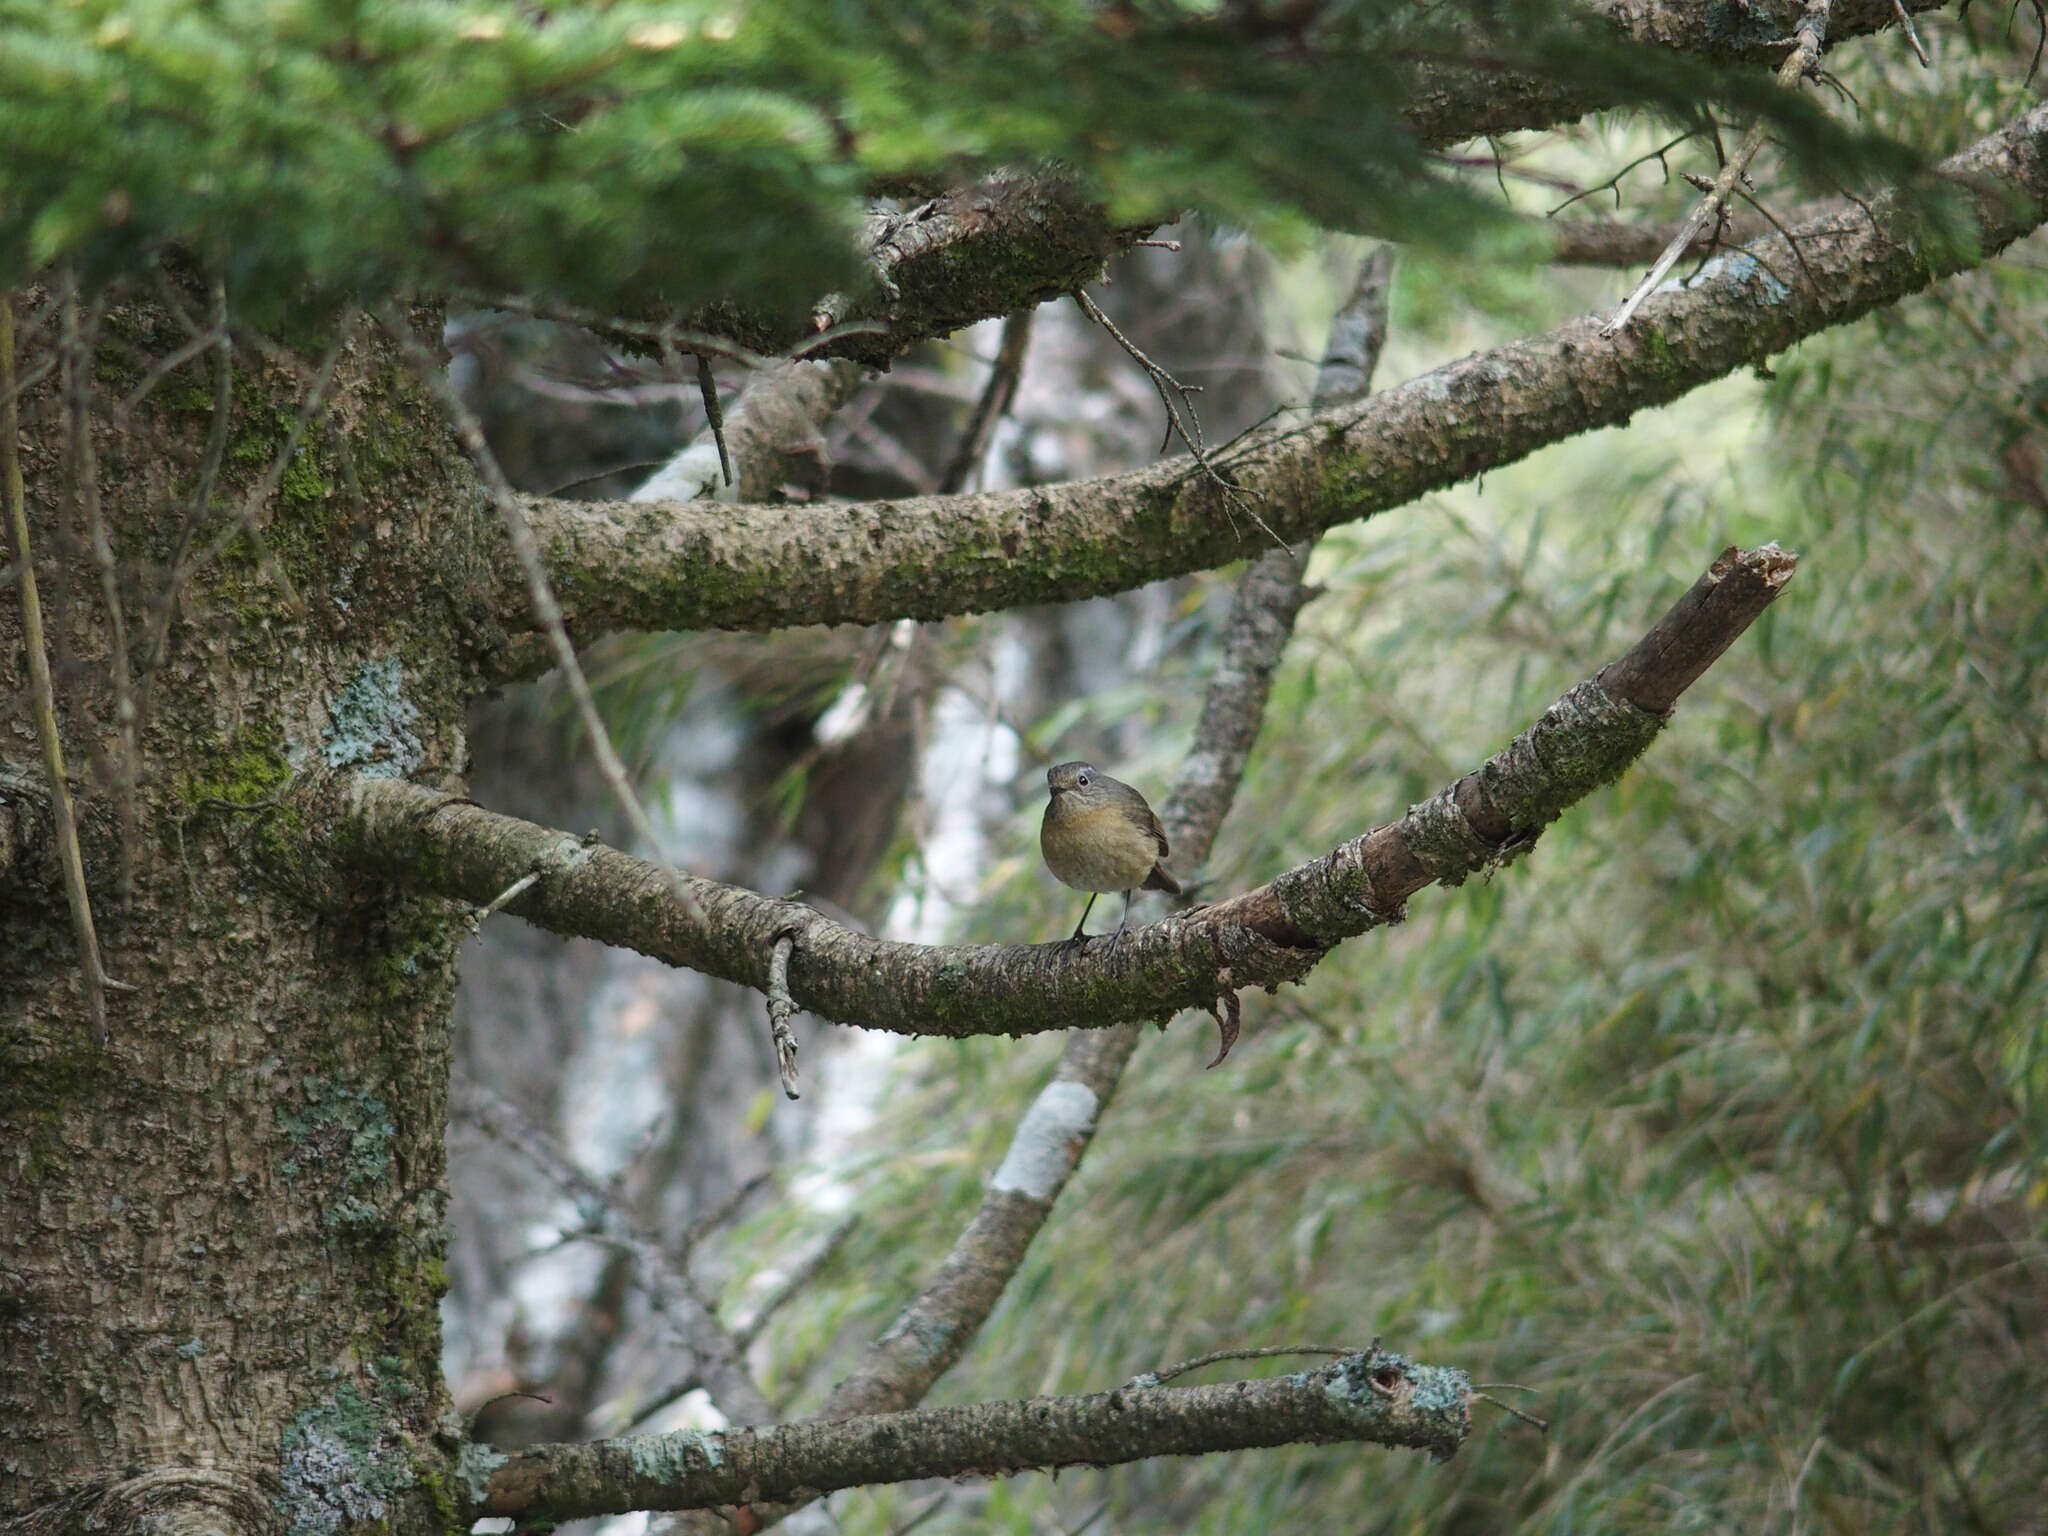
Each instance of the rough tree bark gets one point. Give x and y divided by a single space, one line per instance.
221 1236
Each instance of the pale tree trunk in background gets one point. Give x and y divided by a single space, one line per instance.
646 1073
572 1032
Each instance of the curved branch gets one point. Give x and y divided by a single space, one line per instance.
436 843
1374 1397
698 566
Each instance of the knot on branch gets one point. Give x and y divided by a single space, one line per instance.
1252 943
1443 840
1436 1398
1587 738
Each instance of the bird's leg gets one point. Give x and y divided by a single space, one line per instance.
1078 935
1118 937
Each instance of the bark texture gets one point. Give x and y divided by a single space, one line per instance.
221 1235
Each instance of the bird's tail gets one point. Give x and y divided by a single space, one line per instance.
1161 880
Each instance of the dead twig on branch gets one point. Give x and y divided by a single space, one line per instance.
1172 390
76 895
1809 36
1161 1377
780 1006
539 590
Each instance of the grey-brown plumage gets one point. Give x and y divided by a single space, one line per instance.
1099 835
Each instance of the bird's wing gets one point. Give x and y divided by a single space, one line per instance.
1158 832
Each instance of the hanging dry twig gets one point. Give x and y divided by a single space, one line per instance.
97 982
1613 183
1171 390
780 1006
534 566
1808 37
994 403
1174 395
1228 1014
707 386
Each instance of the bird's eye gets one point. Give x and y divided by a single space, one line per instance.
1081 779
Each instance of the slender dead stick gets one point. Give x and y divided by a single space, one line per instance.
1804 58
76 896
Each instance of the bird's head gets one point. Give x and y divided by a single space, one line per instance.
1072 780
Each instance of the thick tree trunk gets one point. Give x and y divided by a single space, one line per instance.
221 1232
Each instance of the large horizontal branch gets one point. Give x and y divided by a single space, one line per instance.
1374 1398
434 843
1010 242
695 565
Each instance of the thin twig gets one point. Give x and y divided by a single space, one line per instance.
994 403
672 337
169 363
1809 36
533 566
157 637
504 898
780 1006
1190 431
1791 240
725 1210
247 523
1145 1379
1613 183
1541 1424
796 1282
707 386
1173 394
662 1278
44 693
77 345
28 381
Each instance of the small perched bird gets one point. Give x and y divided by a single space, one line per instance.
1099 835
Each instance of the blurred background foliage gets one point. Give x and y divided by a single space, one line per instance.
624 153
1718 1125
